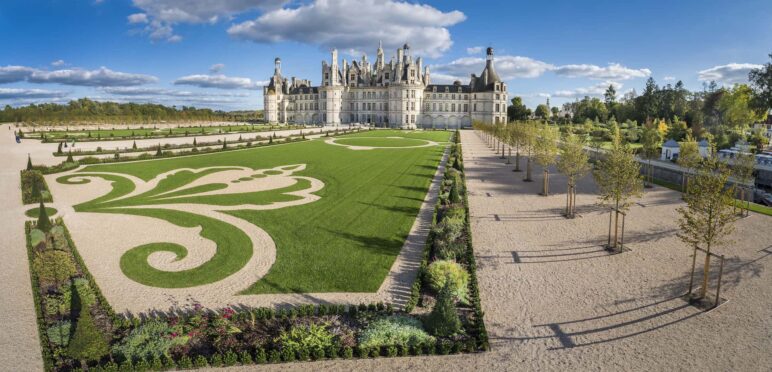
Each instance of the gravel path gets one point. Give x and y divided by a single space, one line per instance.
19 345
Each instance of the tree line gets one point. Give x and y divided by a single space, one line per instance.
85 110
722 115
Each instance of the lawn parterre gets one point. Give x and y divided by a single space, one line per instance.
88 333
363 213
142 133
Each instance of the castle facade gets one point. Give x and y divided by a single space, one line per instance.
397 94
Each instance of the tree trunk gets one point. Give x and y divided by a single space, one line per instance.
509 155
546 191
528 170
517 160
568 201
616 224
502 149
705 273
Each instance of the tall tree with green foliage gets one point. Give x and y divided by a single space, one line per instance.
573 163
542 112
735 106
651 140
610 97
517 110
618 177
761 81
707 220
546 151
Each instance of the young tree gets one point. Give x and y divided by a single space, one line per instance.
134 145
194 142
688 158
59 148
29 162
528 142
707 219
619 178
546 151
742 171
158 151
69 157
651 140
515 133
573 162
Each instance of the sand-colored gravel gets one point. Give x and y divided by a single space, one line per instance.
19 345
569 306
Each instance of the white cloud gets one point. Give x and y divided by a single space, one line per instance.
474 50
162 15
508 67
668 78
14 93
732 73
91 78
57 63
220 81
102 77
613 71
154 91
352 24
217 67
592 91
12 74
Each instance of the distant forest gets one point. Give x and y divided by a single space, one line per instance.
85 110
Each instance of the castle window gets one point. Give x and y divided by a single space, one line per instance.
453 96
434 106
498 96
497 107
453 107
466 107
466 96
475 107
434 96
412 119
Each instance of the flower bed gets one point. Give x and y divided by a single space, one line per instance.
78 329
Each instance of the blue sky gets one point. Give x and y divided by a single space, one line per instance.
217 54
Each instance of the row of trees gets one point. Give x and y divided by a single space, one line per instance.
705 222
85 110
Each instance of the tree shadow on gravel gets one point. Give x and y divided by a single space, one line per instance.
608 327
736 271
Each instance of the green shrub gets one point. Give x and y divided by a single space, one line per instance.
442 271
274 356
347 352
216 360
449 239
443 321
245 358
53 267
185 362
231 358
200 362
150 339
260 356
58 304
391 351
305 338
394 330
87 343
36 237
59 333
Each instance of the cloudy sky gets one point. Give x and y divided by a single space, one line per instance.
219 53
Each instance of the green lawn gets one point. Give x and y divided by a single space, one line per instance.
380 142
345 242
35 212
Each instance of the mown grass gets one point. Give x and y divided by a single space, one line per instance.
380 142
344 242
35 212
